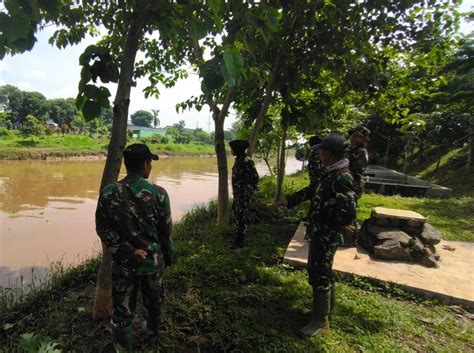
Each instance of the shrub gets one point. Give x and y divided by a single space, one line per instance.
31 126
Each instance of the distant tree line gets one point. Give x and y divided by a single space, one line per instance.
30 113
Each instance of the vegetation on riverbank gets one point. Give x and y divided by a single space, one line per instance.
247 300
448 170
15 147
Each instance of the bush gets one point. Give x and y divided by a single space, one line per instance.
6 133
31 126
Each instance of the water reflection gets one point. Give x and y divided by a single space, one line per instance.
47 207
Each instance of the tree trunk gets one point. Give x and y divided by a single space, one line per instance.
267 162
275 72
281 163
387 150
103 293
407 151
470 153
263 109
223 211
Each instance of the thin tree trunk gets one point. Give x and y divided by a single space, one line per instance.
407 151
267 162
438 158
223 211
281 163
271 84
264 108
103 293
387 150
470 154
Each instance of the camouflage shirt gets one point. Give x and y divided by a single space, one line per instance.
315 168
244 176
358 160
135 214
332 202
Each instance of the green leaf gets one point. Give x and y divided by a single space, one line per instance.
80 100
199 28
234 62
86 55
13 7
216 7
229 79
14 27
26 43
91 92
103 98
90 110
48 5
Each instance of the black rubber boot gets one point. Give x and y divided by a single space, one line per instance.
123 336
319 323
151 334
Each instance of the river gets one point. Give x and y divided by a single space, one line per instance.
47 208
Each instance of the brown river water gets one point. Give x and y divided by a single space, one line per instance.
47 208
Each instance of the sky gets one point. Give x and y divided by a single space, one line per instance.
56 72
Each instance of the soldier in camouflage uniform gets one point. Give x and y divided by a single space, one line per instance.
133 219
244 183
314 163
332 208
358 157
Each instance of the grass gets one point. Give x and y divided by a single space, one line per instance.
12 146
451 172
243 301
452 216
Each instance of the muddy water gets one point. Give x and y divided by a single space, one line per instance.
47 208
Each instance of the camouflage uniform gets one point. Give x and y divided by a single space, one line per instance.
315 169
358 160
135 214
332 207
244 183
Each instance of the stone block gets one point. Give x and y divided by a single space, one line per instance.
392 213
391 250
429 235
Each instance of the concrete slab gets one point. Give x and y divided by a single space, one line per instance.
383 212
451 283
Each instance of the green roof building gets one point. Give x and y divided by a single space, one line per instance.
142 131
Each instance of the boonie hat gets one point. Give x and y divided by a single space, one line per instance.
138 152
238 146
361 130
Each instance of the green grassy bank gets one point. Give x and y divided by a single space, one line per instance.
450 171
68 146
248 301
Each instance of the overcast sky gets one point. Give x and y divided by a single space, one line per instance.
56 73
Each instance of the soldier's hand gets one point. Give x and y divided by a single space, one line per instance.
140 254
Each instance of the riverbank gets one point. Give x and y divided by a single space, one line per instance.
80 147
247 300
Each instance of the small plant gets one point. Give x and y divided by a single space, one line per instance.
34 343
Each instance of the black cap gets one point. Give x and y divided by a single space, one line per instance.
336 144
314 140
361 130
238 146
138 152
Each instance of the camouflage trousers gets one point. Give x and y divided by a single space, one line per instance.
125 286
322 248
358 189
241 211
